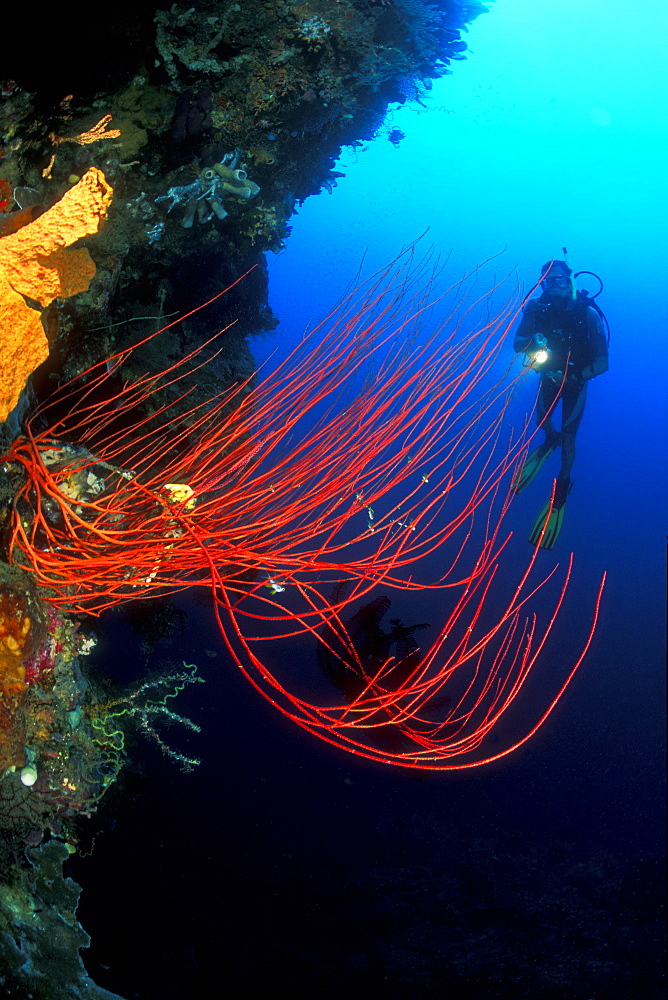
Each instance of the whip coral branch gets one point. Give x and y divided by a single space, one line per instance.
375 447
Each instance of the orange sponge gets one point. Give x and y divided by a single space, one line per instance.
15 628
35 263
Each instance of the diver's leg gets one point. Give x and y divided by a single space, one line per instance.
548 392
533 463
567 455
574 398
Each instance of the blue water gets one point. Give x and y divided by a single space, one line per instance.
283 863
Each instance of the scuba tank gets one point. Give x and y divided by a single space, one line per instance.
582 295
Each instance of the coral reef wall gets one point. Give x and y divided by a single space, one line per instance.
209 123
212 121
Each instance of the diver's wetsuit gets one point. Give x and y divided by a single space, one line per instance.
577 345
573 395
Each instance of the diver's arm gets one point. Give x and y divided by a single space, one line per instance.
526 329
598 366
600 343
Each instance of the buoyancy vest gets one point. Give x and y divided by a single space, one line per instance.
567 333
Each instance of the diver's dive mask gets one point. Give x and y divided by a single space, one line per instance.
558 274
559 280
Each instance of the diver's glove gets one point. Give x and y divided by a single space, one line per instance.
558 378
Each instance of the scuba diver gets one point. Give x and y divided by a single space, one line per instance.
564 339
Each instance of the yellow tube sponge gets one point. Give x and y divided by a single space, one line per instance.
35 263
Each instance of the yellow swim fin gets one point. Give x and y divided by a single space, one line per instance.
549 522
534 463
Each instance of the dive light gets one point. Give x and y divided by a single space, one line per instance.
536 359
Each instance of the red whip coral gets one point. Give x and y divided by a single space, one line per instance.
373 446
